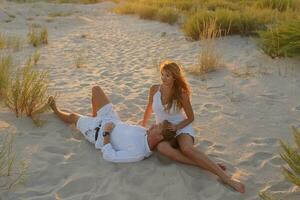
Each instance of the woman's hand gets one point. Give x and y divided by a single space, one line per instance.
172 127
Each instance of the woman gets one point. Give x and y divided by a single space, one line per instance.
171 101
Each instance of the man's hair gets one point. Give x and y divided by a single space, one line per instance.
166 133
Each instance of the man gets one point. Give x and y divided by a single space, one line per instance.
118 141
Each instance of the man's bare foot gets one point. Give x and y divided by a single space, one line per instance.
51 102
237 185
222 166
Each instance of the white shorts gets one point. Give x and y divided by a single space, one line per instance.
186 130
87 125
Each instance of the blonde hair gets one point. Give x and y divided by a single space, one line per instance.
180 84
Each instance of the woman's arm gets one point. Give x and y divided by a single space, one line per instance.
187 107
148 110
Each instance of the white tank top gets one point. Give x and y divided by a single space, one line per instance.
174 115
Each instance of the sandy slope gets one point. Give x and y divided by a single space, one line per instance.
238 118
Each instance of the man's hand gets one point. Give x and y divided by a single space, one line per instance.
108 127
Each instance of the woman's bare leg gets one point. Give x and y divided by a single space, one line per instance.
68 117
187 148
99 99
166 149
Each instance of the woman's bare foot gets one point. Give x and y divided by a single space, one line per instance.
222 166
237 185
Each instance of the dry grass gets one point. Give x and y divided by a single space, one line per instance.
168 15
5 69
28 92
38 36
10 42
80 60
209 59
10 174
36 57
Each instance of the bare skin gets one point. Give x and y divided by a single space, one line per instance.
99 99
186 153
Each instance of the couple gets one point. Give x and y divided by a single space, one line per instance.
172 135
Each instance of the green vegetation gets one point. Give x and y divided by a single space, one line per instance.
291 155
243 17
282 39
28 92
10 173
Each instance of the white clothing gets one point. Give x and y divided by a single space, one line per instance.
128 143
174 116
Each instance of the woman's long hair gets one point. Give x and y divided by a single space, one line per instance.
180 84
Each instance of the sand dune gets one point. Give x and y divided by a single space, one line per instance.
239 117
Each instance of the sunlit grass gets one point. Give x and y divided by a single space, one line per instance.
280 5
209 58
281 40
27 93
168 15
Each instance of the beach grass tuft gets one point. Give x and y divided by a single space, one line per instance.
209 59
11 173
168 15
38 36
28 91
281 40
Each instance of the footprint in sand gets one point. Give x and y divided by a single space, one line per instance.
212 108
297 108
82 185
277 161
218 147
273 96
232 115
40 133
205 143
255 159
55 150
264 141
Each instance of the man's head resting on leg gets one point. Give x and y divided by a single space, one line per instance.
159 132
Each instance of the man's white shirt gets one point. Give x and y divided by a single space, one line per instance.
128 143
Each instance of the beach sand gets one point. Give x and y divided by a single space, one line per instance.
240 110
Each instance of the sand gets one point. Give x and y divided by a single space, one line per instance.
240 111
